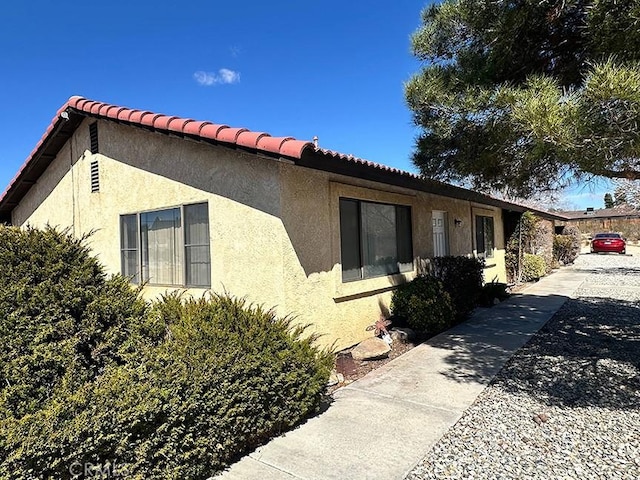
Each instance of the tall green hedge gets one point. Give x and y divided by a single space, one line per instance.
91 374
462 278
61 318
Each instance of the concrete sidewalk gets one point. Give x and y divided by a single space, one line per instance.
382 425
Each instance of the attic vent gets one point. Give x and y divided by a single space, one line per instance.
95 177
93 135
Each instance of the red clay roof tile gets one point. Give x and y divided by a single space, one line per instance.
134 116
149 119
124 114
162 122
211 130
230 134
285 146
271 144
112 112
249 139
294 148
177 124
193 127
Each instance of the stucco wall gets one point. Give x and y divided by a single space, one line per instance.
313 275
138 172
274 226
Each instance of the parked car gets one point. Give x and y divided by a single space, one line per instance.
608 242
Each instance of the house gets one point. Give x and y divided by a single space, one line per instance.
623 219
183 204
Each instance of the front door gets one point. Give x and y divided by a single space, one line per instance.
440 238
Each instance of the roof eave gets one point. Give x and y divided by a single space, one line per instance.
353 167
60 130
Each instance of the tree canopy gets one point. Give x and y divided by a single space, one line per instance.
626 193
608 201
524 95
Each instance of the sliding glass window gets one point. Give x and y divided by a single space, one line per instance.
167 247
375 239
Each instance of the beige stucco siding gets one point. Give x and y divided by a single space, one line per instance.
136 170
274 226
314 289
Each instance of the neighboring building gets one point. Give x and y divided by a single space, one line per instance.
178 203
623 219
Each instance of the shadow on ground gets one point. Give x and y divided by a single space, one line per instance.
588 354
626 271
477 349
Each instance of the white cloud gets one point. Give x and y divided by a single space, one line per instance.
229 76
221 77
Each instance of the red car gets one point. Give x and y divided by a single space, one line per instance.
608 242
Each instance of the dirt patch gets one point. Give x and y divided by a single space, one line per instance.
352 370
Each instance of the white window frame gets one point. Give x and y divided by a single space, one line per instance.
137 276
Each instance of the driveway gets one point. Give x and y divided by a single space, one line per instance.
567 405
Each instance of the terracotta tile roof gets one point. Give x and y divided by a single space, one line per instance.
285 146
362 161
29 171
303 153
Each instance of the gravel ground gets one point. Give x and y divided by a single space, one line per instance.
567 405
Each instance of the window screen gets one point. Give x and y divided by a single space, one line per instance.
375 239
167 247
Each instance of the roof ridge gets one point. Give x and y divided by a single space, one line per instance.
262 141
220 133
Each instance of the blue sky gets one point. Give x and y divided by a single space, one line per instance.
334 69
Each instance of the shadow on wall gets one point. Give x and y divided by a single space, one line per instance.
586 355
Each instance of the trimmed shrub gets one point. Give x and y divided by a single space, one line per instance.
176 390
542 242
462 278
569 250
562 249
226 378
425 305
533 267
61 317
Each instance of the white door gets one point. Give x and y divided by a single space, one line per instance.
440 240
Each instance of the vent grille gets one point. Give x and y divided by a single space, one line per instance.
93 135
95 177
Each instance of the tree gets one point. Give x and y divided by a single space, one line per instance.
527 95
608 201
627 192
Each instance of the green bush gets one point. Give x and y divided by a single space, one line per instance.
568 250
542 242
424 304
177 390
562 249
511 265
61 317
462 278
533 267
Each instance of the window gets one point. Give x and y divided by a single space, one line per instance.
167 247
375 239
484 236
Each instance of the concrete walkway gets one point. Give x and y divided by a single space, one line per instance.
382 425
